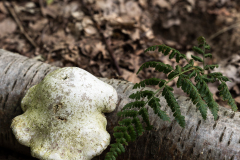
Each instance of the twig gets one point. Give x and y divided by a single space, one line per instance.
87 10
11 10
235 25
120 44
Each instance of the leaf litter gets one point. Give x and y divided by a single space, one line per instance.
116 32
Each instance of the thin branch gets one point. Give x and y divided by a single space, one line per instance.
12 12
235 25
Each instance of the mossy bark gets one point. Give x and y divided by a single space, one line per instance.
200 139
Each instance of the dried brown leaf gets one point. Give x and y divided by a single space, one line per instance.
39 25
162 4
133 9
8 26
90 30
130 76
236 89
3 9
237 99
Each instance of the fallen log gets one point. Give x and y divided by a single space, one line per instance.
200 139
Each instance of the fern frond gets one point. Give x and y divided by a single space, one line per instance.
111 155
198 50
127 113
189 88
127 136
206 95
172 103
122 140
132 133
172 74
208 55
226 95
116 148
207 80
186 67
215 74
122 131
202 43
192 74
178 69
159 66
172 54
141 94
119 147
166 50
201 40
125 122
152 48
118 134
207 67
202 107
199 68
150 81
219 76
120 128
144 113
123 136
138 126
189 65
136 104
207 46
155 105
130 128
225 79
196 58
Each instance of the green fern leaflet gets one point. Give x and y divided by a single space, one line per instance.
130 127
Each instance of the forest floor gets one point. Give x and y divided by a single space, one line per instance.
108 37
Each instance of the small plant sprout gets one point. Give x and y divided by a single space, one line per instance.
130 126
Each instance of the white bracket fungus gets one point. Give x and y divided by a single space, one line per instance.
63 118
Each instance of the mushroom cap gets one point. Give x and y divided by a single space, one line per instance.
63 116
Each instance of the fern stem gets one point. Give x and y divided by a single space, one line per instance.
166 84
204 43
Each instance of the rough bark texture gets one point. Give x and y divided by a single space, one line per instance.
218 140
17 75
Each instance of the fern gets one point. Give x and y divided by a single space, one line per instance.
131 127
224 92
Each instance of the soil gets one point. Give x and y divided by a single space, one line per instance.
108 37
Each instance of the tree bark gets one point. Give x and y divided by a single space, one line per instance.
200 139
